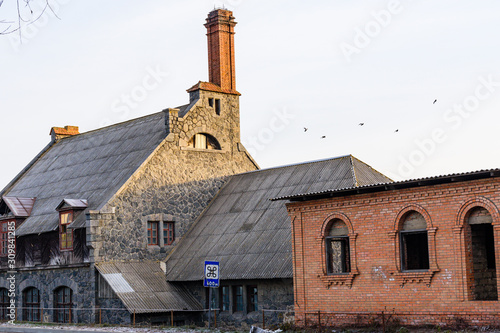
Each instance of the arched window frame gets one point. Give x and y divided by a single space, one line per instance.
204 141
465 293
31 304
413 276
63 305
345 278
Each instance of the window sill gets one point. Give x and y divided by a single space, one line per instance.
338 279
415 277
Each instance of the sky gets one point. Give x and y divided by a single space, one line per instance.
411 88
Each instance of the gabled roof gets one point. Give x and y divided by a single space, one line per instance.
141 286
73 204
17 207
251 235
90 166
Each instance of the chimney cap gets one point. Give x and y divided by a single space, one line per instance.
66 130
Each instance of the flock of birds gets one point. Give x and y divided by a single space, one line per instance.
362 124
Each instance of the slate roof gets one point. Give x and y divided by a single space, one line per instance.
250 234
142 288
91 166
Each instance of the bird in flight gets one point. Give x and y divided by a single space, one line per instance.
434 101
361 124
324 136
305 129
396 131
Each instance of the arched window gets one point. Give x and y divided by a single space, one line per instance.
31 304
337 248
481 253
204 141
414 242
63 304
4 304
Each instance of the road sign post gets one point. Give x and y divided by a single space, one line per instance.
211 280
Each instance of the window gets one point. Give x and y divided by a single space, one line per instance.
168 233
63 305
204 141
217 107
224 297
253 299
211 102
238 299
31 304
337 248
414 243
4 304
153 233
65 233
481 246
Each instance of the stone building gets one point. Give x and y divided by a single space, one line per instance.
97 212
422 251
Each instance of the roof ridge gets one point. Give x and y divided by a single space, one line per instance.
295 164
371 168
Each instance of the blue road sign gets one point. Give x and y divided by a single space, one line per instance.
211 274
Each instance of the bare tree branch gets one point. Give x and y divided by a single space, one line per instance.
25 14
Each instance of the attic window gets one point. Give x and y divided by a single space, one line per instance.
204 141
65 233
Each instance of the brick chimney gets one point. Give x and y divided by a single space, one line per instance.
220 33
58 133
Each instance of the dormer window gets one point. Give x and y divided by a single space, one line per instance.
65 233
67 210
204 141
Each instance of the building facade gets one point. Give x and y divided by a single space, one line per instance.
423 252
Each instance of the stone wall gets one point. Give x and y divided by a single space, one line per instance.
176 183
81 280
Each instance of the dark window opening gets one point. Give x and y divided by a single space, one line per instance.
168 233
63 305
4 304
31 304
214 303
211 102
238 299
414 250
483 262
337 254
217 107
253 299
152 233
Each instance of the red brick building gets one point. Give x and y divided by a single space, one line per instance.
421 251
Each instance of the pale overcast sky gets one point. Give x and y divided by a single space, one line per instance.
325 65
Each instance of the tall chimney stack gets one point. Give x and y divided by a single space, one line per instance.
220 33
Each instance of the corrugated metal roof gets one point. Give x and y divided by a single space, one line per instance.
388 185
142 287
91 166
251 235
19 207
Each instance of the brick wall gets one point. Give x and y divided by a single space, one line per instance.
376 282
